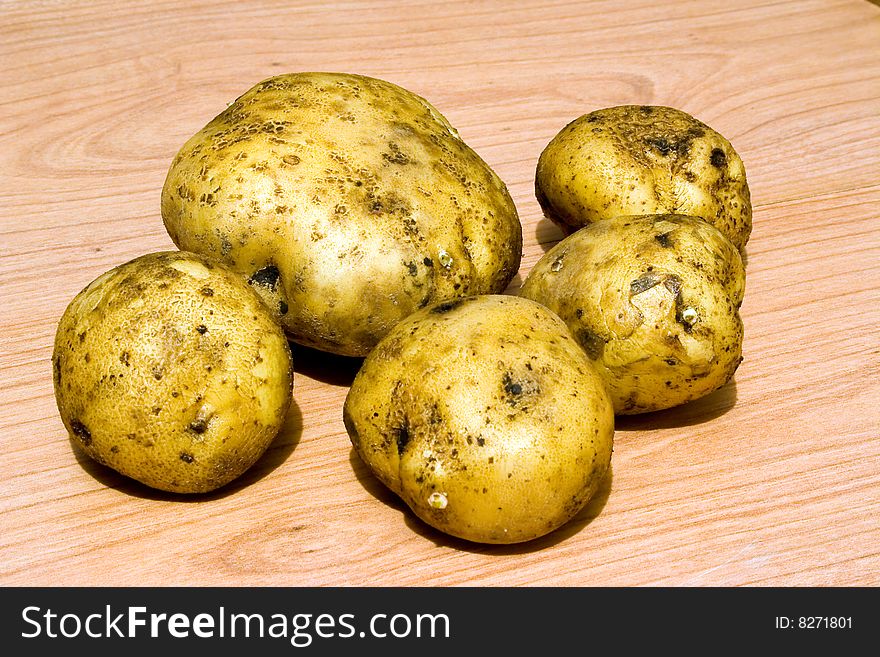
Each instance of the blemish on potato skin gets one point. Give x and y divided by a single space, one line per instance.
224 241
511 387
266 277
81 431
200 424
664 240
673 284
437 500
518 390
401 436
661 144
592 343
643 283
687 316
395 156
185 193
446 306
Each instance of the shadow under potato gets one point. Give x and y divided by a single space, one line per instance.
371 483
323 366
713 405
548 234
382 493
514 285
277 453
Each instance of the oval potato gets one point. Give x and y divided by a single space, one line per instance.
485 417
643 159
654 302
172 371
347 201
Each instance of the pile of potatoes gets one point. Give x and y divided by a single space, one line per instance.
346 214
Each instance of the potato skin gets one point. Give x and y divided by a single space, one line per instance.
654 302
348 202
172 371
485 417
643 159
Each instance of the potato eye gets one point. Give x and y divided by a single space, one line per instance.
437 500
266 277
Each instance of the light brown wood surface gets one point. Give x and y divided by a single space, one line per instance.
773 480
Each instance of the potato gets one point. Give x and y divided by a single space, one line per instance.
485 417
643 159
347 201
654 302
172 371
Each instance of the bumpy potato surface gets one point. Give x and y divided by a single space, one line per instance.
172 371
654 302
643 159
485 417
347 201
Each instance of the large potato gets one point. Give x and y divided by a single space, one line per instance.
653 300
485 417
347 201
172 371
643 159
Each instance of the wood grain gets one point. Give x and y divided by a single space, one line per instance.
773 480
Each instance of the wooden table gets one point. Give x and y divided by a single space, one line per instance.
773 480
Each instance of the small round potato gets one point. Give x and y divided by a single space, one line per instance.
485 417
654 302
348 202
643 159
171 370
